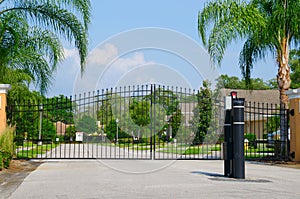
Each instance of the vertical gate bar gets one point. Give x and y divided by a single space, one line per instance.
250 112
187 141
70 105
133 96
269 112
66 106
110 148
170 126
129 98
153 92
286 148
114 95
100 104
83 104
127 118
176 120
87 141
59 107
185 137
99 127
75 120
247 124
255 122
151 123
124 124
103 150
93 116
119 101
144 137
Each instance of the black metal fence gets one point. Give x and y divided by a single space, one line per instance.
266 131
143 122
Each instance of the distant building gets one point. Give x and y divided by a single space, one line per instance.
259 106
61 128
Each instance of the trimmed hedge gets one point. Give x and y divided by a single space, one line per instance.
6 147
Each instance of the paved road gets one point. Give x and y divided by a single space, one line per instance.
89 179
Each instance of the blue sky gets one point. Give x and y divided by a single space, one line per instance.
112 17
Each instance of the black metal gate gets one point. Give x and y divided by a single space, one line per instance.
144 122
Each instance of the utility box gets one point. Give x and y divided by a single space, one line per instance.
227 102
79 137
294 97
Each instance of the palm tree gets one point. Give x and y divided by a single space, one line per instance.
268 26
31 33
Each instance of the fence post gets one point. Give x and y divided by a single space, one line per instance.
294 97
3 103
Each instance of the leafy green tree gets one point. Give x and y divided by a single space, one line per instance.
70 133
48 130
111 131
266 26
233 82
225 81
87 124
19 80
166 98
272 124
272 83
105 114
169 102
140 113
173 125
59 108
295 68
27 121
202 113
30 33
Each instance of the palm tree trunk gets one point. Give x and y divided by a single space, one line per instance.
284 82
283 76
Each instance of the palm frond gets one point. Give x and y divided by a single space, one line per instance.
231 20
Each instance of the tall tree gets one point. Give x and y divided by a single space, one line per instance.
267 26
140 113
202 113
31 33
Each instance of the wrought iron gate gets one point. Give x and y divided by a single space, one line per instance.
143 122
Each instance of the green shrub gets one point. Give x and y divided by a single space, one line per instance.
125 140
6 147
251 137
5 158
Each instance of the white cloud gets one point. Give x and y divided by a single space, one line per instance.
103 56
124 64
70 53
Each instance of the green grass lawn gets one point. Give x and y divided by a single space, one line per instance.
190 150
30 150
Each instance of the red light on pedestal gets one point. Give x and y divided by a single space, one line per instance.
233 94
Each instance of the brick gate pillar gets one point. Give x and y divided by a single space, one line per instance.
3 102
294 97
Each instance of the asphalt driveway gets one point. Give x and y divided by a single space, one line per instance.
155 179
